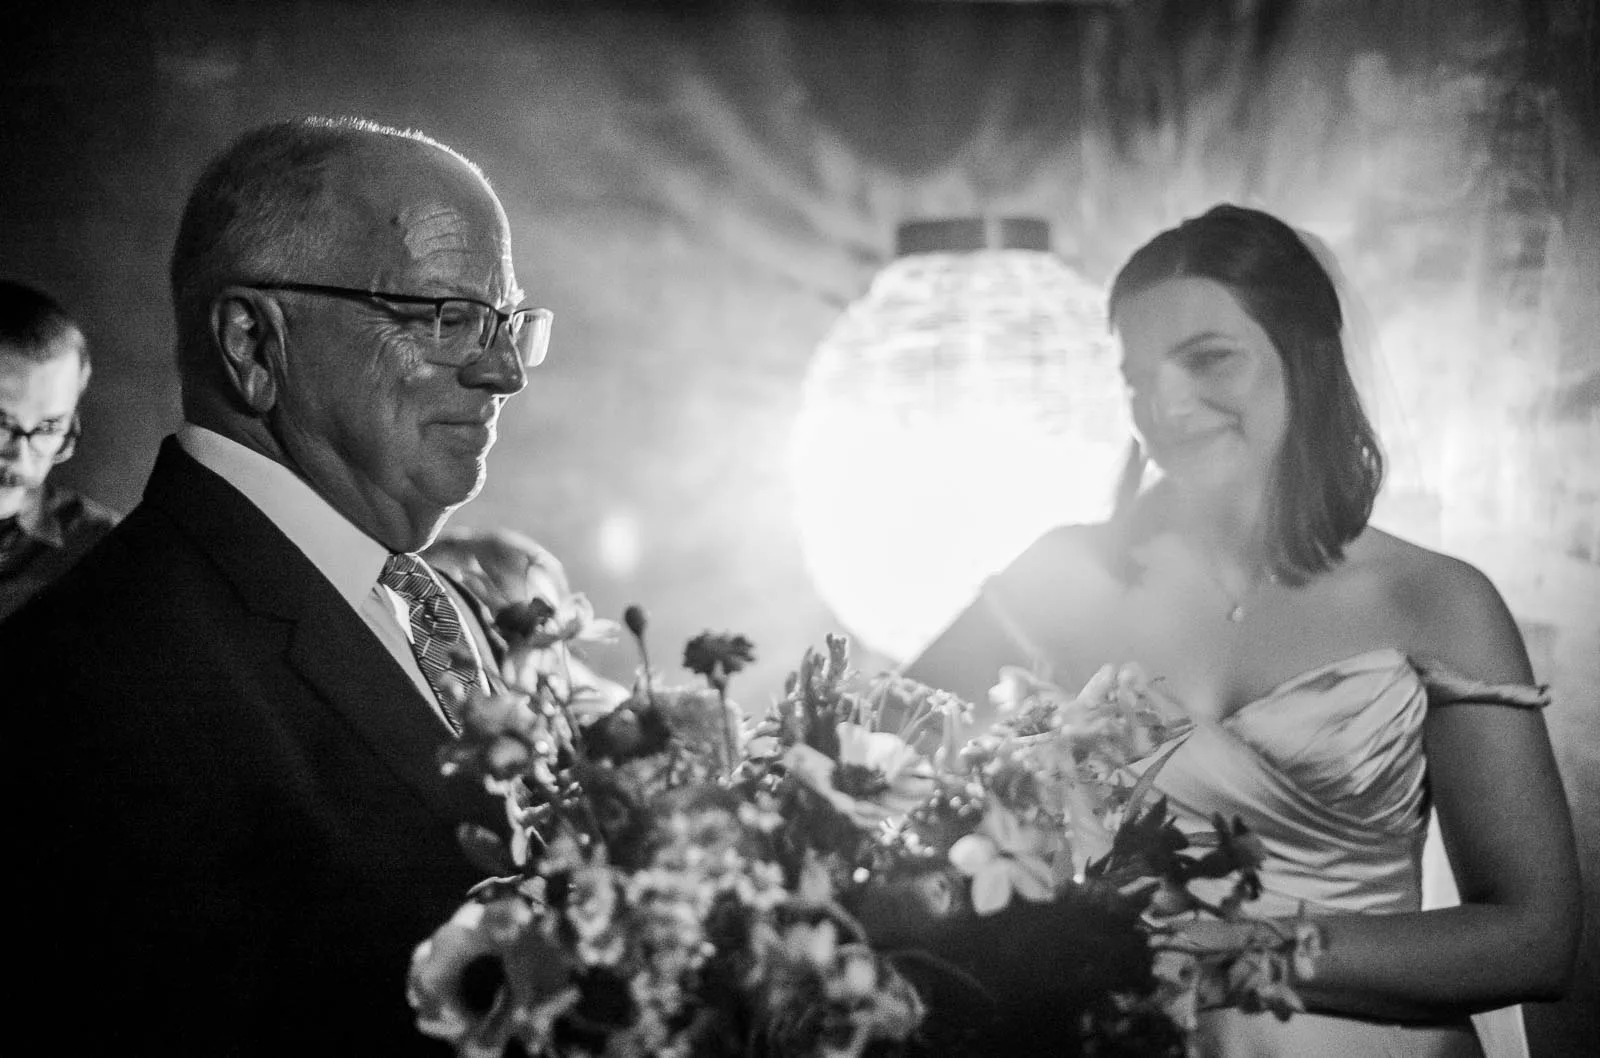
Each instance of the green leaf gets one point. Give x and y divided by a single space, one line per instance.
1141 789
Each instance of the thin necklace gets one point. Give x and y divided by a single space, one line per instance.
1236 609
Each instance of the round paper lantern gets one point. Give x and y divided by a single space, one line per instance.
969 402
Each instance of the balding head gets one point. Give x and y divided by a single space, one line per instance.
303 279
281 203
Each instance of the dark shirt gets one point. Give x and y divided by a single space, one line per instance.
44 539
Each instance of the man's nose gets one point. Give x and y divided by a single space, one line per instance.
499 369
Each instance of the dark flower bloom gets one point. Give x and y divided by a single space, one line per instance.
518 620
1238 850
718 655
728 923
1154 840
624 823
628 732
1015 785
557 887
604 1001
469 980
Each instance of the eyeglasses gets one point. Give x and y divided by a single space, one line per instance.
50 439
463 328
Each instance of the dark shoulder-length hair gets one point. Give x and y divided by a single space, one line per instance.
1328 472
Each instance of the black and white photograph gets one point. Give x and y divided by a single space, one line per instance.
802 528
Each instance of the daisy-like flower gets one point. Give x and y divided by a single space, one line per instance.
876 777
486 977
832 999
1004 856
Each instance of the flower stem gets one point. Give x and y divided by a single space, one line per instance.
636 620
565 704
729 738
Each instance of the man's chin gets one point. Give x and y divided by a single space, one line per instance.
449 490
13 498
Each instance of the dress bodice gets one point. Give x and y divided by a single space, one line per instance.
1327 769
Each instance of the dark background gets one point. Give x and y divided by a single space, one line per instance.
699 191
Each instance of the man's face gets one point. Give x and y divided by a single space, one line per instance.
34 394
394 440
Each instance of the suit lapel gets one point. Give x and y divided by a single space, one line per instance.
353 672
331 646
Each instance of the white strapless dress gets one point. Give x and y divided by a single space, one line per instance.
1328 769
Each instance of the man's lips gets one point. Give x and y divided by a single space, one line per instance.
476 431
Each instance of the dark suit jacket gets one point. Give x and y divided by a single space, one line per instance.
232 829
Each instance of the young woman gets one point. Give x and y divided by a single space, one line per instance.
1342 679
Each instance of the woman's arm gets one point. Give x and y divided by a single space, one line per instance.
1026 615
1506 827
1516 933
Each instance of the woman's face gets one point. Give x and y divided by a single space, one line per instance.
1205 383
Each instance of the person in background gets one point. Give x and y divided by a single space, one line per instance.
1342 681
230 712
44 369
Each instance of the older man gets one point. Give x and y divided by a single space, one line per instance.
234 705
44 368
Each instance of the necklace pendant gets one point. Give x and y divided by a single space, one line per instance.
1237 613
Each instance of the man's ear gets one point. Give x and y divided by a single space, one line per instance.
247 330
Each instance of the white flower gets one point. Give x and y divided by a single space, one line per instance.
878 776
1003 856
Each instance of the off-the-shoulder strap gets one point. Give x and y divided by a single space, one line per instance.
1447 687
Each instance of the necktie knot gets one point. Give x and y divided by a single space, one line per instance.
411 578
437 637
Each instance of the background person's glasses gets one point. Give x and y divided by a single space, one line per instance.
463 328
49 440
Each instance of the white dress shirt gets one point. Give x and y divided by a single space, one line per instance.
348 557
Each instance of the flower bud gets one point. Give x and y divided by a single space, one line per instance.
636 619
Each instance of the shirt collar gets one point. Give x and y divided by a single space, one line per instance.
348 557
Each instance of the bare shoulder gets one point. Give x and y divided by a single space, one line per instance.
1451 610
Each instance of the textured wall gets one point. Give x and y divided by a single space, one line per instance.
697 195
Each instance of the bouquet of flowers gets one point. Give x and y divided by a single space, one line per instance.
847 875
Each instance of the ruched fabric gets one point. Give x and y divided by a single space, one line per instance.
1328 769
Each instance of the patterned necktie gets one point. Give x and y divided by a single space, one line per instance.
437 638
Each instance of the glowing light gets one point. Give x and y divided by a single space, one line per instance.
618 544
969 402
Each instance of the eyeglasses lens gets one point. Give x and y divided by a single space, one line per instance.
44 441
465 330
